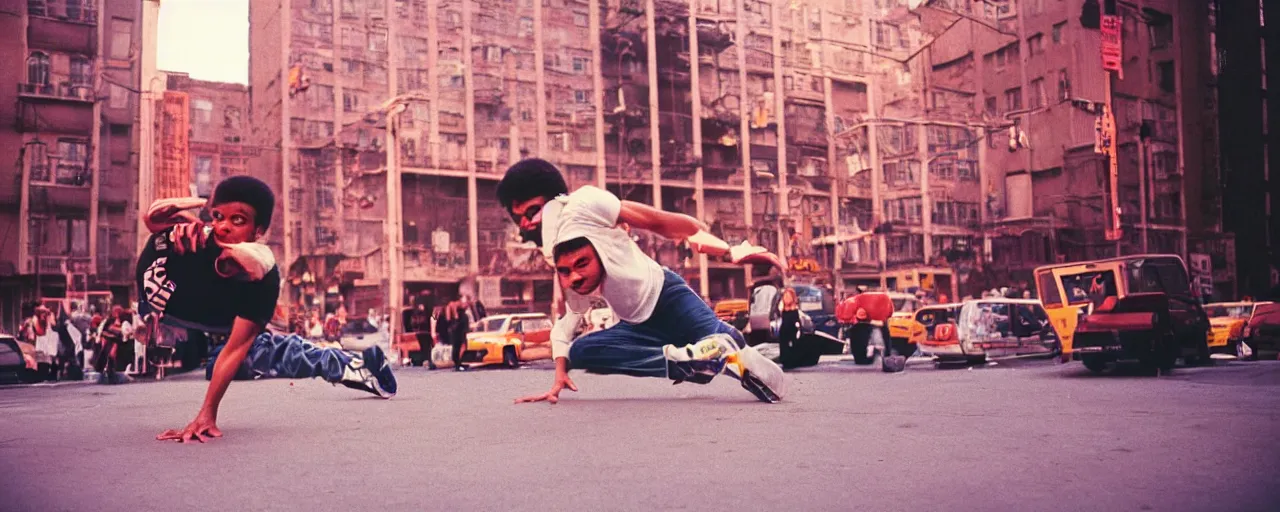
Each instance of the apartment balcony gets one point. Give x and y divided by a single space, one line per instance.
63 25
82 93
59 264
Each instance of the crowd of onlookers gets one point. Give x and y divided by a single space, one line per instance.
71 340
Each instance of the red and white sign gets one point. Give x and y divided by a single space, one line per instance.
1112 44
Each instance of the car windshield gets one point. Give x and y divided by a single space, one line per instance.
1089 287
493 325
983 320
360 326
1163 275
812 299
1236 311
905 305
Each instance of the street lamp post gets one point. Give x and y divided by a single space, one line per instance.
392 227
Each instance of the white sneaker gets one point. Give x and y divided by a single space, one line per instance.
759 375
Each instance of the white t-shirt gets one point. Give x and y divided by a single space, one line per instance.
632 280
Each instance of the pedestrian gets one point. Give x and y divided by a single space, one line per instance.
114 347
665 329
228 287
41 333
788 328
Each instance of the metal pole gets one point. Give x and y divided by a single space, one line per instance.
704 285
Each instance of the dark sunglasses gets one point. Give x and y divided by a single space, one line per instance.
529 214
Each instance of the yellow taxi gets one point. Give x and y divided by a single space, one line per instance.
1227 321
903 319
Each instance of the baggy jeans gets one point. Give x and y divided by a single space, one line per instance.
680 318
289 357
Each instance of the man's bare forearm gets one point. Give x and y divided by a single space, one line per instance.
229 361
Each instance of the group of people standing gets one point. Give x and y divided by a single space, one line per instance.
447 323
68 341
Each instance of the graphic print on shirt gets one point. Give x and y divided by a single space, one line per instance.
156 286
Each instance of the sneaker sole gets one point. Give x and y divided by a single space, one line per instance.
759 375
378 360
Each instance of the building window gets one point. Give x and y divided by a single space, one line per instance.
202 111
348 7
1165 70
526 26
1035 44
580 19
202 175
902 172
119 97
81 71
350 102
378 41
1013 99
321 95
1161 32
73 161
322 6
121 38
992 109
907 210
1057 32
1037 93
526 115
580 96
954 213
579 65
1064 86
231 118
38 68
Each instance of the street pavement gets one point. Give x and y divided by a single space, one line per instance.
1017 435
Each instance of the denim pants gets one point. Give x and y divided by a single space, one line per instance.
680 318
289 357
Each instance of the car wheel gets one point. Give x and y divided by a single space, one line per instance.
1253 350
1201 356
977 360
509 358
1095 364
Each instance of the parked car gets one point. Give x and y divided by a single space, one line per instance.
1263 330
819 330
359 334
926 320
17 361
500 339
1130 308
903 319
993 328
1227 321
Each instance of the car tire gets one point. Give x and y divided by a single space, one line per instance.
977 360
509 358
1201 356
1095 364
1254 348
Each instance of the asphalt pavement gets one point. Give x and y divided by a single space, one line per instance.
1017 435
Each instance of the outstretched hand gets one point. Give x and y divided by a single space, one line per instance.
200 429
553 396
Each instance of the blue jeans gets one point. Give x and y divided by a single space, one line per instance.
680 318
289 357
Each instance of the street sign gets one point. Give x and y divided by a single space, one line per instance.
1112 44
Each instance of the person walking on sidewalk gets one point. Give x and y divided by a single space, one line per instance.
229 288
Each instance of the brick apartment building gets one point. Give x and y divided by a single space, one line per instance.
68 108
857 138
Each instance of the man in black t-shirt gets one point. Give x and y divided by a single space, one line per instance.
228 289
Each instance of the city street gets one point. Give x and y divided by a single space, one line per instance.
1019 435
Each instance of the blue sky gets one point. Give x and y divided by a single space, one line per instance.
207 38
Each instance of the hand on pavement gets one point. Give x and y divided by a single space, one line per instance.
553 396
203 427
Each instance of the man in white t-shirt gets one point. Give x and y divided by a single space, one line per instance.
665 329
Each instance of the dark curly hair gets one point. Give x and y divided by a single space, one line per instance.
530 178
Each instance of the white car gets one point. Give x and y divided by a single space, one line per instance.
360 334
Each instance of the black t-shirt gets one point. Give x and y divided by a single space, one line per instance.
188 293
